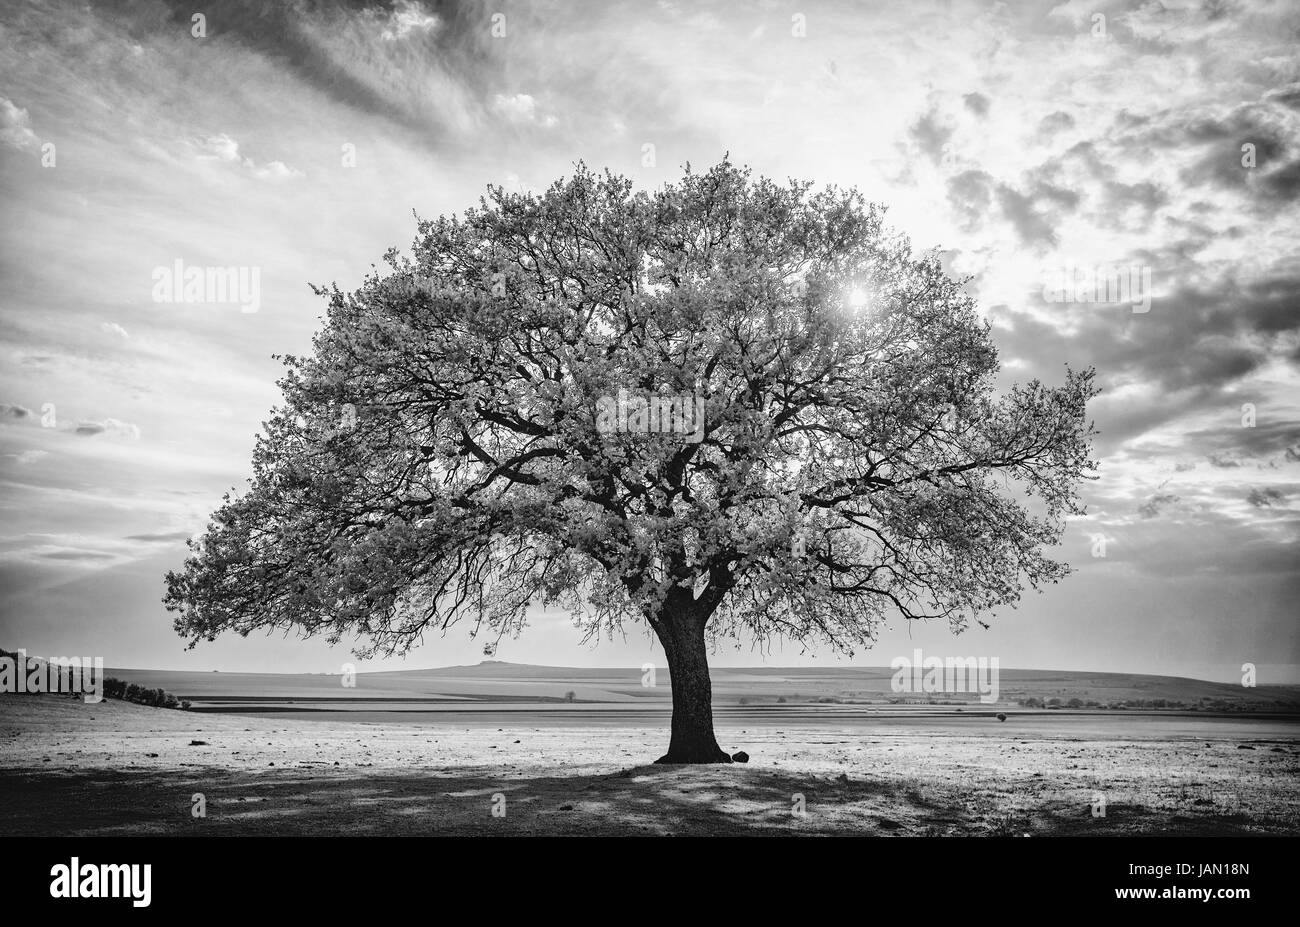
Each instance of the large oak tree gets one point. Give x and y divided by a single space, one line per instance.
438 457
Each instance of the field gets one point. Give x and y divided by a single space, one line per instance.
564 751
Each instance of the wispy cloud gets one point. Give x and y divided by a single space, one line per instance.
224 148
110 426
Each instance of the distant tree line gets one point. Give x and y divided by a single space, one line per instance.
1204 704
129 691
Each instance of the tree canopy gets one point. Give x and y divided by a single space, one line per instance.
440 456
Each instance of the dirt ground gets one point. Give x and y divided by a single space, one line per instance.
116 768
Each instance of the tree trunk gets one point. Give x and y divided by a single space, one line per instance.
693 741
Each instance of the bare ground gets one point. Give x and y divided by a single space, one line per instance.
115 768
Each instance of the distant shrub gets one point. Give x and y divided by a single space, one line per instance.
570 696
130 692
780 700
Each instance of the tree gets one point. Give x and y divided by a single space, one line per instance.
507 416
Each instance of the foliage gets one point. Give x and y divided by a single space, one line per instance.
437 457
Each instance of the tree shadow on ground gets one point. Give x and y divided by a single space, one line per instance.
645 800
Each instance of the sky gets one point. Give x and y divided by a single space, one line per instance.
299 139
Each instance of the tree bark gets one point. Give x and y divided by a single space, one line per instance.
693 740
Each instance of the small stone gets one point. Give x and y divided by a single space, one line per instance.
198 743
1001 716
740 757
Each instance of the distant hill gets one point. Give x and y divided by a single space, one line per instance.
498 681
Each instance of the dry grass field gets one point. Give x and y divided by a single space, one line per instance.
116 768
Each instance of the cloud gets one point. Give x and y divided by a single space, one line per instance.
408 16
1224 461
222 147
1195 343
17 413
397 63
973 193
27 457
1055 122
107 426
520 108
15 127
161 538
1119 200
977 103
112 328
226 149
78 555
1076 12
1265 497
273 170
1032 227
1213 146
931 135
1286 96
970 194
1153 506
